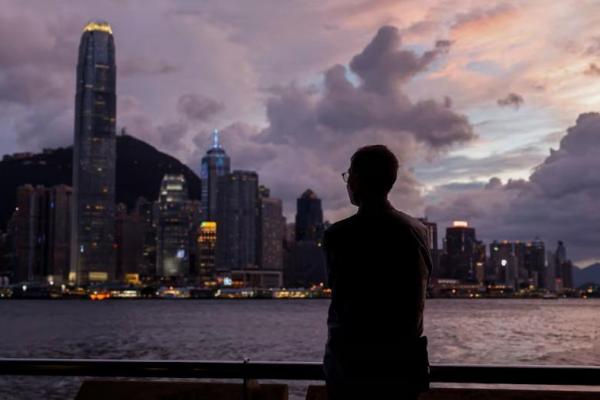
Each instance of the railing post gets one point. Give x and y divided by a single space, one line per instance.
245 379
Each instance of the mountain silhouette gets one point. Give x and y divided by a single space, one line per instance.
140 168
590 274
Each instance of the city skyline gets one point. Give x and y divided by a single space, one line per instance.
503 132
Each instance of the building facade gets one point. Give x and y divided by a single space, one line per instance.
271 232
42 225
237 234
309 217
173 224
94 154
215 164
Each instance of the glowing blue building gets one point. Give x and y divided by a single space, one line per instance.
215 164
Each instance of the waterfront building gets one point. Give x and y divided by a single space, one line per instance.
271 231
462 251
237 234
42 233
130 240
215 164
309 217
206 259
146 210
94 153
563 268
503 263
173 226
432 240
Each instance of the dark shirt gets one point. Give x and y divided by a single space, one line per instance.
378 266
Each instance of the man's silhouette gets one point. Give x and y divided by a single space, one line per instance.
378 265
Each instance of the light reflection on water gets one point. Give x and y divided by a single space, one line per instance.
460 331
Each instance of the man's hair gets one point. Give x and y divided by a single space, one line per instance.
376 166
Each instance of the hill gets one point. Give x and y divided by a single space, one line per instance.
140 168
590 274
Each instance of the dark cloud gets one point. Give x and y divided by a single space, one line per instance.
558 201
376 104
592 70
382 65
198 108
511 100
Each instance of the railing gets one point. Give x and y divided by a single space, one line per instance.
440 373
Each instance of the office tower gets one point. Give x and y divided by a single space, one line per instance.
146 210
237 221
206 259
531 257
94 153
271 231
503 263
563 268
305 264
130 240
460 252
173 228
309 217
432 240
42 233
215 164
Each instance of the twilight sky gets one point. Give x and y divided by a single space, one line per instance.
470 95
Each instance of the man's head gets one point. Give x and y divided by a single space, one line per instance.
373 171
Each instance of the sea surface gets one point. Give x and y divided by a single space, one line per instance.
482 331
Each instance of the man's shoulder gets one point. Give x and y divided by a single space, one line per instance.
341 226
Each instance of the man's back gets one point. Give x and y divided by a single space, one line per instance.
378 266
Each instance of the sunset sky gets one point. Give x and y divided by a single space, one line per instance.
470 95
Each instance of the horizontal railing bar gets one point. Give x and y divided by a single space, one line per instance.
440 373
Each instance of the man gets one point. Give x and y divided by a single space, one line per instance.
378 264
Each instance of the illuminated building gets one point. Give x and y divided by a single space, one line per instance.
432 239
271 231
563 268
42 233
94 153
129 238
503 263
173 228
215 164
145 210
207 240
237 221
309 217
460 252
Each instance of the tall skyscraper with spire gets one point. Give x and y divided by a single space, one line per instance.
215 164
94 154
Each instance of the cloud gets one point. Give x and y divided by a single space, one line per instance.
592 70
198 108
312 130
511 100
557 202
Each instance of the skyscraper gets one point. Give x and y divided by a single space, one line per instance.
271 231
432 239
237 221
309 217
94 153
206 250
173 228
461 252
42 234
215 164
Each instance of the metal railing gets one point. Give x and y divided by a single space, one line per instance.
290 371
